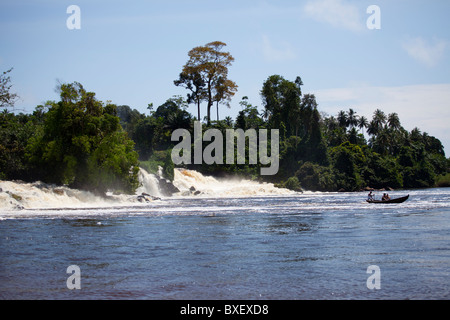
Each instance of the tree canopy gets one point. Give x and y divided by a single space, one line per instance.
205 75
84 143
80 143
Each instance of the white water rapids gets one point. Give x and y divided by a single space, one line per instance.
19 195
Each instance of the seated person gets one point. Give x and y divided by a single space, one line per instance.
385 197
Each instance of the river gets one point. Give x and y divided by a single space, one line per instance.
263 246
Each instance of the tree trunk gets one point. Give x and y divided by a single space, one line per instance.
209 113
210 102
217 106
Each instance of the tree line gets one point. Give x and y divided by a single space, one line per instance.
84 143
77 141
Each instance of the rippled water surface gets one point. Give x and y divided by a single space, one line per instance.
308 246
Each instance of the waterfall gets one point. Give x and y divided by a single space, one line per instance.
191 182
149 184
19 195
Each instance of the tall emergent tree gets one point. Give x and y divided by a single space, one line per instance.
195 84
282 99
206 76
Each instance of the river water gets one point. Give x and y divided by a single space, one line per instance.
292 246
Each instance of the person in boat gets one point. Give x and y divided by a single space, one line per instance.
385 197
370 196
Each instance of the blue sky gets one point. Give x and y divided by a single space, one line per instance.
130 52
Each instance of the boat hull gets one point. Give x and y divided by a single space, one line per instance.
397 200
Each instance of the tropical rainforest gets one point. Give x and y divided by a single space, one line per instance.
85 143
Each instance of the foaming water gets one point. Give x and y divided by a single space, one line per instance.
219 202
149 184
19 195
38 195
209 186
16 195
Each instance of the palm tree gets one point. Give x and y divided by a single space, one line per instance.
342 119
394 121
331 123
377 123
372 128
383 142
416 135
352 119
362 123
229 121
379 117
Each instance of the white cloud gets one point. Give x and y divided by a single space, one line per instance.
424 52
282 52
424 106
338 13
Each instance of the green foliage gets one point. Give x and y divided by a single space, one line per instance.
248 117
292 184
205 75
160 159
15 131
299 121
7 98
113 165
82 144
443 181
153 132
281 100
381 172
346 160
393 156
315 177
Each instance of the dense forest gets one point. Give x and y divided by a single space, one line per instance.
84 143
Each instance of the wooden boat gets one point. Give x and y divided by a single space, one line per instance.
397 200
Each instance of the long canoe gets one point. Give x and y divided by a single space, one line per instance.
397 200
